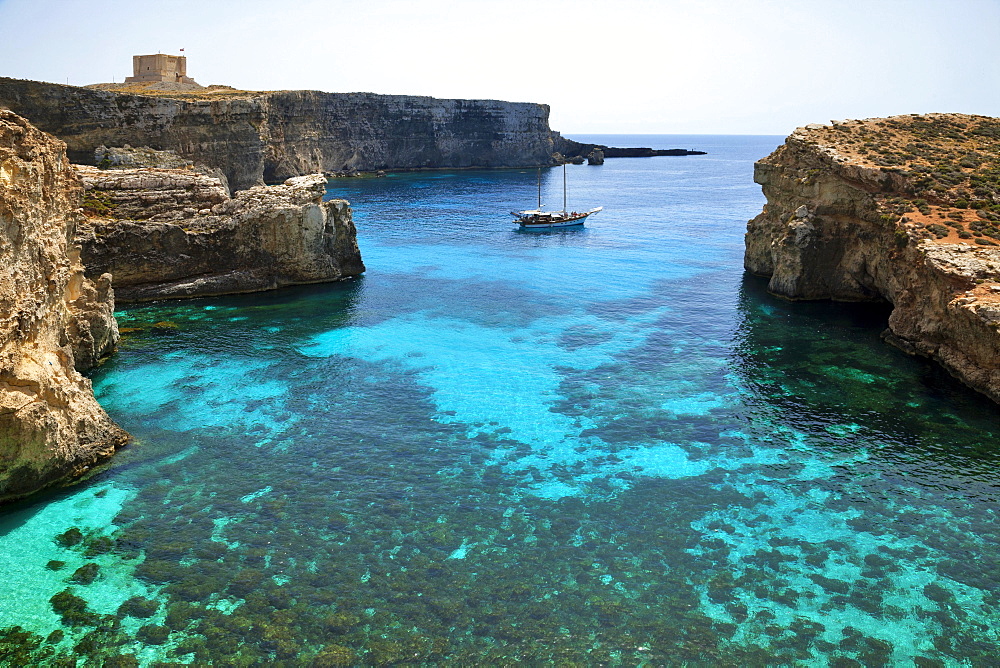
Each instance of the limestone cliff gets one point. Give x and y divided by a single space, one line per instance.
255 137
166 233
53 320
905 209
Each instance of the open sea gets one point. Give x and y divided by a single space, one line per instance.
605 445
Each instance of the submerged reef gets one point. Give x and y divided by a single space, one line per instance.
903 209
166 233
54 321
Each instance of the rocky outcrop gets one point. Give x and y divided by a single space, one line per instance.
127 157
643 152
171 233
904 209
257 137
53 320
595 157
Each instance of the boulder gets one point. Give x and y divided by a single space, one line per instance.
595 157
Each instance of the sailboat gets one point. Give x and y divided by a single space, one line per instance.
538 219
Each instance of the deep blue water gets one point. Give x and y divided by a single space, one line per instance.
604 445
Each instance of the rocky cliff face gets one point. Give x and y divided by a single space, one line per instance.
53 320
167 233
274 136
905 209
309 131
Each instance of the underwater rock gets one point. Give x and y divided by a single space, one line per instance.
85 574
334 655
176 233
54 322
881 209
70 537
139 607
73 609
153 634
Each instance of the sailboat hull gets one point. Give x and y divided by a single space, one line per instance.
531 220
571 221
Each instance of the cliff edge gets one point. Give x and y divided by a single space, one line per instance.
904 209
256 137
53 320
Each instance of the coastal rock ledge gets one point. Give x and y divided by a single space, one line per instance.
54 322
174 233
903 209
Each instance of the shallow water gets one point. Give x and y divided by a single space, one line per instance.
603 445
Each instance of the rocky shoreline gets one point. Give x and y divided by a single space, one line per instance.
54 321
145 232
903 209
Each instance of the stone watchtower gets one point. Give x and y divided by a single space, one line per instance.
159 67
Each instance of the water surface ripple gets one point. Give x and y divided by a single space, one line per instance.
593 446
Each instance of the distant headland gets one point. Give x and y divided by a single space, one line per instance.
268 136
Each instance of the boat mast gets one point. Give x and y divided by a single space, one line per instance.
539 188
564 188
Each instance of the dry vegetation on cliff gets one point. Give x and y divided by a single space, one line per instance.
949 163
187 92
903 209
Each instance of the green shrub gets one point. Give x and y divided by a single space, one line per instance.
940 231
98 203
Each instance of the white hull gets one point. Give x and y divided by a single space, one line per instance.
546 226
536 220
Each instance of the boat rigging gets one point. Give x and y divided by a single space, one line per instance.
538 219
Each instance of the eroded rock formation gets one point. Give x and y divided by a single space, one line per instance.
905 209
53 320
167 233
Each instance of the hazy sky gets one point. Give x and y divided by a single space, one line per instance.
621 66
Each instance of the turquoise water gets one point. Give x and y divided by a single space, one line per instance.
603 445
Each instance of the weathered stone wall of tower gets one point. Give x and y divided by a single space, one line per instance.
159 67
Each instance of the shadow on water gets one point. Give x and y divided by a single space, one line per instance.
823 363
